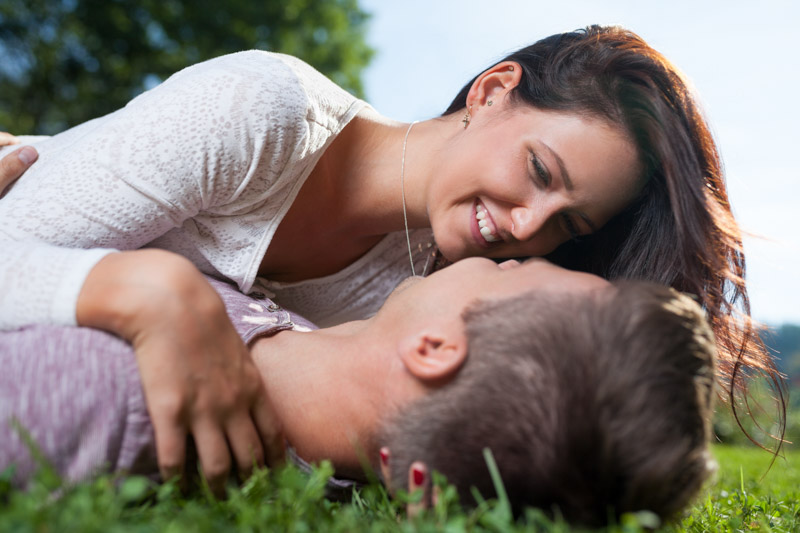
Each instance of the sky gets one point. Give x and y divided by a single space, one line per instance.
743 61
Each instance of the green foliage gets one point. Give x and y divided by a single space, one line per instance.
749 497
759 411
758 416
785 342
67 61
743 498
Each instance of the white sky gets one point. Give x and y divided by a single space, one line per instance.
744 61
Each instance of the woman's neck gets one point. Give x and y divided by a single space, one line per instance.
354 196
363 166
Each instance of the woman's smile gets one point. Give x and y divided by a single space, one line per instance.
483 227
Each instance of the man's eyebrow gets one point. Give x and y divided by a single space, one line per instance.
568 184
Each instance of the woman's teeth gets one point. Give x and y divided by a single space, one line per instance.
486 231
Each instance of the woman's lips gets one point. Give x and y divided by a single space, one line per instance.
483 227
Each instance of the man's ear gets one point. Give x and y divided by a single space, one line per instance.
494 83
433 354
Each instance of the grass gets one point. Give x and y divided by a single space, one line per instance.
741 499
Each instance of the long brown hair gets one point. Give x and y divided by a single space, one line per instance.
680 231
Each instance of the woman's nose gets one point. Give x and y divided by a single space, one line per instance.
527 221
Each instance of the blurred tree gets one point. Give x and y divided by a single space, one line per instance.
63 62
785 342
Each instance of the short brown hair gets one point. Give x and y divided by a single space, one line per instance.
592 407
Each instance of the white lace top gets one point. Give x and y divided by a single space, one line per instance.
206 165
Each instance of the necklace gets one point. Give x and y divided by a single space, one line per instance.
403 190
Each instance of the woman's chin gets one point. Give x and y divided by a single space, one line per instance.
453 251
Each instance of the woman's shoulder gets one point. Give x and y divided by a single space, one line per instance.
259 67
278 78
272 67
327 102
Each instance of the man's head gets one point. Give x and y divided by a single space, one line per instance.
594 399
422 320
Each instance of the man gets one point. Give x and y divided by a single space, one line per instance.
591 397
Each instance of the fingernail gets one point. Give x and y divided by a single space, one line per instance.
385 456
27 155
419 475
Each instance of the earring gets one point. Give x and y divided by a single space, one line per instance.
511 67
489 103
467 117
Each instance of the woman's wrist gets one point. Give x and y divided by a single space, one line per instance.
126 290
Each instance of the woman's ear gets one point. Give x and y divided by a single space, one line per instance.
494 83
433 354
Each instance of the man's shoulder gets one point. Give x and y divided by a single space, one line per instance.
73 391
256 314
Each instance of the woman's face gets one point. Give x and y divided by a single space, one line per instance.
520 181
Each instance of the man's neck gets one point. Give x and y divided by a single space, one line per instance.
327 392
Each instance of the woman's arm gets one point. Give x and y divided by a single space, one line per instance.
78 392
118 183
196 372
193 146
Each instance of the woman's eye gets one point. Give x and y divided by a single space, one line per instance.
571 227
539 170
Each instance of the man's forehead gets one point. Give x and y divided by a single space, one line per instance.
582 280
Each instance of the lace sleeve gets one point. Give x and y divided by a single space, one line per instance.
121 181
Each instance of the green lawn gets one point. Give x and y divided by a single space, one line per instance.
745 498
740 499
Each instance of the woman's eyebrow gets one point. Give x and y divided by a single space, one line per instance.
588 221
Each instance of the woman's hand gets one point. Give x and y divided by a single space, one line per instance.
418 479
197 374
16 163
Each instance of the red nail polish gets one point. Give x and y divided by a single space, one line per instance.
385 456
419 475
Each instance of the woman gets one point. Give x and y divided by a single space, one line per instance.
257 169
